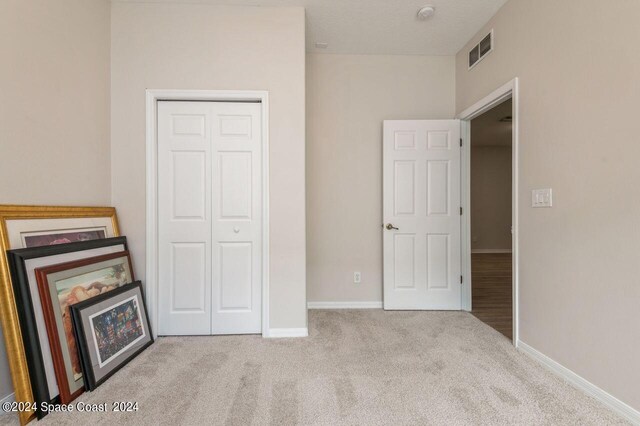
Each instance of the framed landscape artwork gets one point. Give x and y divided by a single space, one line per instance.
22 226
60 287
112 329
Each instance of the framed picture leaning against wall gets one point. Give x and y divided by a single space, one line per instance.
61 286
33 226
112 329
35 339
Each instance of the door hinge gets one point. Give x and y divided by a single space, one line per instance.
460 211
460 141
461 279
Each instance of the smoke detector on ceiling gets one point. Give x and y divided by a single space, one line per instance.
426 12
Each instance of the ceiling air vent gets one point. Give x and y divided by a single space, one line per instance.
481 50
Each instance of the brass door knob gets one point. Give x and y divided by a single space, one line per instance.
390 227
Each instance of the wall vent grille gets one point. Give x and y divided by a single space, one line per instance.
481 50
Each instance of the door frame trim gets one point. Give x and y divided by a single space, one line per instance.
152 98
507 91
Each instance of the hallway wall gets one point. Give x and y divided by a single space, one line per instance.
490 197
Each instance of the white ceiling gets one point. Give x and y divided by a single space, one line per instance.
488 130
384 27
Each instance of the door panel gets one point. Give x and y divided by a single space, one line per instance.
187 281
421 197
237 219
184 218
438 260
405 261
404 188
235 276
235 185
189 184
209 218
438 188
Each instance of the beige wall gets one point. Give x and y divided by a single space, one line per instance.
54 113
195 46
578 65
348 96
490 197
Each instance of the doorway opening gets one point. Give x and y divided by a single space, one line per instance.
490 216
507 95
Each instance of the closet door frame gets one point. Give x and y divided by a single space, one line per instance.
152 98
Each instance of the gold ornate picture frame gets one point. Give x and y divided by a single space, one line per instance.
22 226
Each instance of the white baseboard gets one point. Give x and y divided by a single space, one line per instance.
487 251
288 332
622 409
9 398
344 305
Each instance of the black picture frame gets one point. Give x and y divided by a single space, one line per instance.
78 311
26 315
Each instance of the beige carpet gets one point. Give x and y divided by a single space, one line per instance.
356 367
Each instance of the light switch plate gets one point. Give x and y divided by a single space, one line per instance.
541 198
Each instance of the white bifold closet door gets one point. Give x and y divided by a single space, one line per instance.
209 218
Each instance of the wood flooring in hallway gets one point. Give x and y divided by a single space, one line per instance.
492 290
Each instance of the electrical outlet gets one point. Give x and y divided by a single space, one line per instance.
357 277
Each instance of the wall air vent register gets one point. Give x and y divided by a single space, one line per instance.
481 50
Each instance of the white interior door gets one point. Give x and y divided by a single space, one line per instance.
421 211
237 218
209 218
